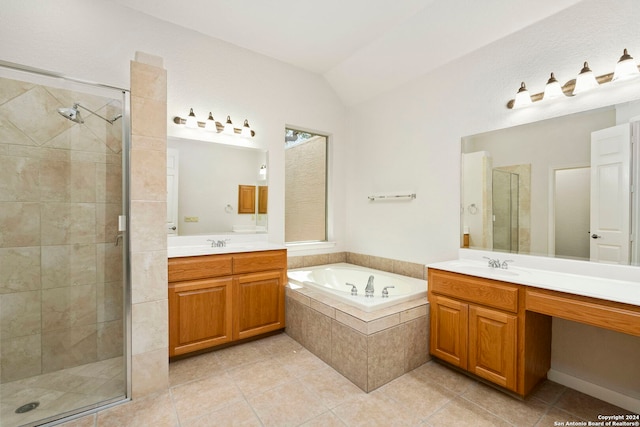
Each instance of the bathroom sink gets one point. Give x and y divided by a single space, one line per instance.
481 269
491 271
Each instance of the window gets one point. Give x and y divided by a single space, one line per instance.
305 187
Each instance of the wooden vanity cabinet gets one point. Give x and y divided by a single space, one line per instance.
481 326
199 314
218 299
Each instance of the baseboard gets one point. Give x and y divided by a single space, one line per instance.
602 393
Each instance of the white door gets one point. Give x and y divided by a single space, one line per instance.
172 191
610 195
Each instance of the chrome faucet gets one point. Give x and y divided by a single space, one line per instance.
354 290
218 243
385 292
493 263
368 291
505 264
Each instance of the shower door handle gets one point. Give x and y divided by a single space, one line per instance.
596 236
118 239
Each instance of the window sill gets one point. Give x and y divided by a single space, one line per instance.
305 246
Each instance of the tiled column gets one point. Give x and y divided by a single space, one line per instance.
150 364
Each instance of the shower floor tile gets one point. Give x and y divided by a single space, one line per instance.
61 391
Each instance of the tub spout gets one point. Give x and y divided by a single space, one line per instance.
368 291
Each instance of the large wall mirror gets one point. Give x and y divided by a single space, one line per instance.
560 187
203 184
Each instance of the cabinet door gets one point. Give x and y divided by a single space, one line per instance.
246 199
199 314
258 303
492 345
449 330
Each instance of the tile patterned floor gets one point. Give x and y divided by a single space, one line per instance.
276 382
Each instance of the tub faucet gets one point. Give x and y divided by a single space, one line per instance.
385 292
354 290
368 291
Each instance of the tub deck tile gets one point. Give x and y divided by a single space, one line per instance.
383 323
351 322
323 308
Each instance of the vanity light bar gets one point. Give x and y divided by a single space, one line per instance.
211 125
626 69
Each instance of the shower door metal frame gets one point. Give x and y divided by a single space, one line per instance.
126 209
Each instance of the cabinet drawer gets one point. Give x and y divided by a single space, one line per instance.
612 315
199 267
487 292
259 261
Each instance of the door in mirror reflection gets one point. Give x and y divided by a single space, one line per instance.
610 188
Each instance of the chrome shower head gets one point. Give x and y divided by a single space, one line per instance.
73 114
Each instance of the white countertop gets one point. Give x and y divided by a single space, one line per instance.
182 246
597 287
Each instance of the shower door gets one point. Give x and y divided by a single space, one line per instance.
63 202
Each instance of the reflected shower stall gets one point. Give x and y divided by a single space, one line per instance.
63 200
505 207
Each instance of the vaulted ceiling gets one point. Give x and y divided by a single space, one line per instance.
361 47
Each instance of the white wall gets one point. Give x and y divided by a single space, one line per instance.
95 40
410 138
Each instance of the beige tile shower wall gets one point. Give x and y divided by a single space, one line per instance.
150 347
60 195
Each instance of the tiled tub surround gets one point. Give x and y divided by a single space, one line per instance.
339 281
370 349
403 268
60 196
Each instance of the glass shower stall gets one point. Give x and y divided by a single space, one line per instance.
63 246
